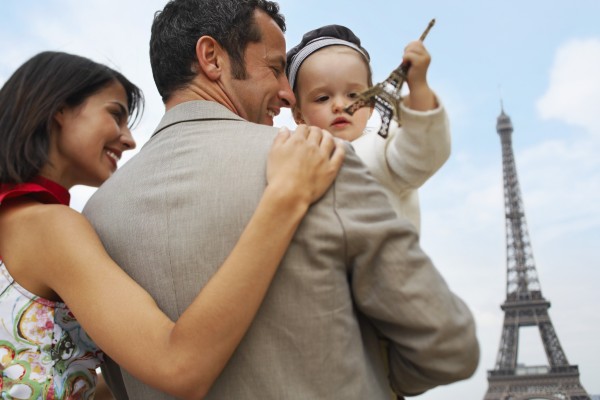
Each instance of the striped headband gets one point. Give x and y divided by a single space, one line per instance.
310 48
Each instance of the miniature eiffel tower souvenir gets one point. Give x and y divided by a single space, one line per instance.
385 96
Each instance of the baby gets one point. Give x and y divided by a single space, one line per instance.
328 69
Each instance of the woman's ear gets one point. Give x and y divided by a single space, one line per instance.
209 55
297 115
59 116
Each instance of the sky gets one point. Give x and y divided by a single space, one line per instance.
539 59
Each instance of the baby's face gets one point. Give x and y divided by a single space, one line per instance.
327 82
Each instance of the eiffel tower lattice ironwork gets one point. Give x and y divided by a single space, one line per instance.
525 306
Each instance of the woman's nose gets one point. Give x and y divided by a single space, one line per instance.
127 139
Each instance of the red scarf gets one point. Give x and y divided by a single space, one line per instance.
39 188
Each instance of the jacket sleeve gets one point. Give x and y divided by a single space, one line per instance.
410 154
430 330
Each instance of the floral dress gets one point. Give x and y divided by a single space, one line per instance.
44 352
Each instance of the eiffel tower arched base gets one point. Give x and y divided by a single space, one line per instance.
527 383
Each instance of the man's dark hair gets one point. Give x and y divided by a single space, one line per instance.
33 95
177 28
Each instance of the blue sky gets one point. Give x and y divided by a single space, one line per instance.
542 58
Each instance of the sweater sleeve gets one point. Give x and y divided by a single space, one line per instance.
411 154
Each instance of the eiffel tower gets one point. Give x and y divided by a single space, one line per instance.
525 306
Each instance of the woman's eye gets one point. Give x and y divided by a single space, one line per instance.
118 116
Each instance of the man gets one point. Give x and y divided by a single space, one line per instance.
354 271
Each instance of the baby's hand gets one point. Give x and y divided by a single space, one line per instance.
421 96
418 57
304 163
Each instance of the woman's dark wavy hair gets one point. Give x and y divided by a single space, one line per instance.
177 28
33 95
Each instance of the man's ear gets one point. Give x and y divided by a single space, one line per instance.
297 115
209 55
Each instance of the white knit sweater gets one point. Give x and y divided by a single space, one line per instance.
409 156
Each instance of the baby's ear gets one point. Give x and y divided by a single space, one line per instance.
297 115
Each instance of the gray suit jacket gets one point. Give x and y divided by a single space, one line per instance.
354 271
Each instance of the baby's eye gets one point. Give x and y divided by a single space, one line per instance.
321 99
353 95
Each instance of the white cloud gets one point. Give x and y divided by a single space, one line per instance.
573 95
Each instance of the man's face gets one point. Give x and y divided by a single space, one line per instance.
260 96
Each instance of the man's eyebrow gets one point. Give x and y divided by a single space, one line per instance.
280 60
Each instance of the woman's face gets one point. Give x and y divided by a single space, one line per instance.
89 139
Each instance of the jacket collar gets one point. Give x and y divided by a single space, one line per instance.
197 110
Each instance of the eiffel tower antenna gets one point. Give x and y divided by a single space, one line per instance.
525 306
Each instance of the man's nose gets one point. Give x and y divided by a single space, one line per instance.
286 94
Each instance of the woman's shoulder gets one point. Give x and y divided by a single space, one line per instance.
28 211
33 239
28 223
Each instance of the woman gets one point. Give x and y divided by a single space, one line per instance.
64 122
